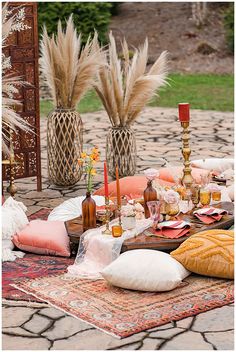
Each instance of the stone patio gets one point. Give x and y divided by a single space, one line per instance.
32 326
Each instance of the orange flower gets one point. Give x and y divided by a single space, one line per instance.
94 157
95 150
83 155
93 172
80 161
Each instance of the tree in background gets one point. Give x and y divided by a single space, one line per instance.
87 16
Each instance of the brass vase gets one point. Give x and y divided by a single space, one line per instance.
121 151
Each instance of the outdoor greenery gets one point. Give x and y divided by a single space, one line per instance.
207 92
229 26
87 16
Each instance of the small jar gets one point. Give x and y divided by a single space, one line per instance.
216 196
128 222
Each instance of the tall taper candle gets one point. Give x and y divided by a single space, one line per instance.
105 180
118 188
184 115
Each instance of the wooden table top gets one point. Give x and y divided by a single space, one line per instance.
75 230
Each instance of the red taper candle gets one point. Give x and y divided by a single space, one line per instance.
105 179
118 188
184 115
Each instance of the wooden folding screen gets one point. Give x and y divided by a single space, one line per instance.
24 52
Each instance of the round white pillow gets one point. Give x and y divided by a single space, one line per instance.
216 164
145 270
72 208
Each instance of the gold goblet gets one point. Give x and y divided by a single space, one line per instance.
205 197
172 210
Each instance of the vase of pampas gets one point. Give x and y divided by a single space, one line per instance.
125 87
69 71
121 151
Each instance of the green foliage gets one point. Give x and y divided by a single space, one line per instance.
229 26
206 92
87 17
202 91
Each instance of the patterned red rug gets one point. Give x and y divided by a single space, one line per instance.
122 312
29 267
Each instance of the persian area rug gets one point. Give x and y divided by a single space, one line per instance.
29 267
122 313
41 214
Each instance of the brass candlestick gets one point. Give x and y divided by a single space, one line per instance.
11 162
119 216
187 179
107 231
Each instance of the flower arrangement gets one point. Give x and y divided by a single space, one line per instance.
127 210
171 197
88 161
151 174
126 87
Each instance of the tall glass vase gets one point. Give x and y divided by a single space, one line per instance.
121 151
88 212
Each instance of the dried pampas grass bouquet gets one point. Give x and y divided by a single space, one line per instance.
125 86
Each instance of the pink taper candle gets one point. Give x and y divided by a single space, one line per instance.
105 179
184 115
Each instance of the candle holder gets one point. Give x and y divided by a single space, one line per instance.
11 162
119 217
107 231
187 179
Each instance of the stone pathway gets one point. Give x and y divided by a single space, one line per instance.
32 326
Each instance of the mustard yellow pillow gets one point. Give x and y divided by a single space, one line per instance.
209 253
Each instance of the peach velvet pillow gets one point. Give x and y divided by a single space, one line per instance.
167 173
130 185
43 237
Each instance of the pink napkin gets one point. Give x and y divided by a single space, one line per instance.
210 215
172 229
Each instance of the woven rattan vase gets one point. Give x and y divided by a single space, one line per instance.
121 151
64 146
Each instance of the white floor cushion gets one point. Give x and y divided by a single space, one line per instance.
216 164
72 208
14 219
145 270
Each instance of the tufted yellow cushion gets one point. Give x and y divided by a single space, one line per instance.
209 253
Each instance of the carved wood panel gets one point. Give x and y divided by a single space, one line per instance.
24 52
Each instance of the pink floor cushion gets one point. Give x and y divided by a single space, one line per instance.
169 173
43 237
130 185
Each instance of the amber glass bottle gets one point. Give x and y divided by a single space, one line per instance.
149 194
88 212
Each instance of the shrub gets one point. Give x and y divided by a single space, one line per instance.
229 26
87 17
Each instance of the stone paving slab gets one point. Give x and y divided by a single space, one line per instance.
34 326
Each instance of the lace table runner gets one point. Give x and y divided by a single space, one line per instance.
96 250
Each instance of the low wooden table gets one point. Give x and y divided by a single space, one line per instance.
75 230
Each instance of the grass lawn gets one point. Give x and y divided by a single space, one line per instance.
206 92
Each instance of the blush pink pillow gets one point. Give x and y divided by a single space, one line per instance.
43 237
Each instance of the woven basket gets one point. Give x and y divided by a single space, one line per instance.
64 146
121 151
